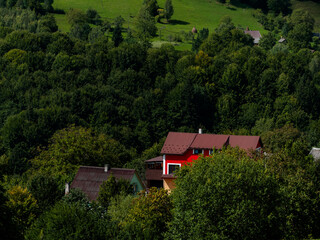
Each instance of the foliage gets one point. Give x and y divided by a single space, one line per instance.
119 207
76 16
117 36
145 25
278 139
267 41
226 196
152 7
7 228
74 146
45 190
168 9
111 188
69 221
76 196
148 217
23 206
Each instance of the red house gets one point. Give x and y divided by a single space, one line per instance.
182 148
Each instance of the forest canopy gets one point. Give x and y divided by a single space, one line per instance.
85 98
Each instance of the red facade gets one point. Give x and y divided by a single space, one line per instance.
182 148
188 157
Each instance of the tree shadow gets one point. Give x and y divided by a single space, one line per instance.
178 22
232 8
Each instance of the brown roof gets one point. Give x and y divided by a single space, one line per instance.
156 159
255 34
89 179
209 141
244 142
177 143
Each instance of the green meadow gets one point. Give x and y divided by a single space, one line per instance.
187 14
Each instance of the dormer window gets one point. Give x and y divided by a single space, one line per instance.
197 151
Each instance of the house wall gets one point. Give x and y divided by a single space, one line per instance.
135 180
188 157
168 184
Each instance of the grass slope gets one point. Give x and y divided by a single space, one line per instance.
187 13
312 7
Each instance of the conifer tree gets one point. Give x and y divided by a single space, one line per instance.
168 9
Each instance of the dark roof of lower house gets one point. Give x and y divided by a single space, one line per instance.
88 179
156 159
178 143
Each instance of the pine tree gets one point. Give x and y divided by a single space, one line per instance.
117 36
168 9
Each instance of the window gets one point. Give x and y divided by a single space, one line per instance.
197 151
210 151
154 165
173 167
135 187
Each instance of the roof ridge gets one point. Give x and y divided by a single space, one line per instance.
193 141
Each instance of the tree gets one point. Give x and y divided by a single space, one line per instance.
48 5
3 3
278 6
168 9
226 196
47 23
267 41
302 24
152 7
76 196
45 190
93 16
111 188
7 228
23 205
74 146
149 216
117 36
80 31
76 16
70 221
145 25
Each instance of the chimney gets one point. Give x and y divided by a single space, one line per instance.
106 167
200 130
67 189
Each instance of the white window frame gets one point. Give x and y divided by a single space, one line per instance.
210 151
202 151
176 164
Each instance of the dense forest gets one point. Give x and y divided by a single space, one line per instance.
85 98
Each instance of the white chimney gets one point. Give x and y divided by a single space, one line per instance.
67 189
106 167
200 130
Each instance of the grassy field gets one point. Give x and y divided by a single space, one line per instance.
187 14
312 7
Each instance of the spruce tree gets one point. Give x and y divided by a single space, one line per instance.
168 9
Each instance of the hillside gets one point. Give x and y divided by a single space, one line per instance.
187 13
312 7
